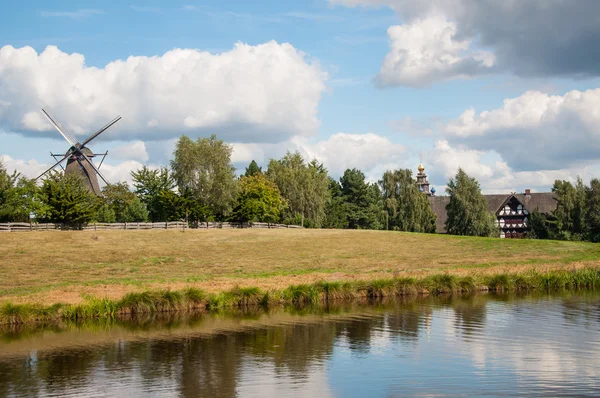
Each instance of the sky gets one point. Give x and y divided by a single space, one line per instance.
509 91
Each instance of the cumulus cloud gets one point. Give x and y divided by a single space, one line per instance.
121 171
425 51
133 151
366 152
448 159
264 93
535 130
528 38
27 168
370 153
494 174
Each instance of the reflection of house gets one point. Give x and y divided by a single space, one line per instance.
512 211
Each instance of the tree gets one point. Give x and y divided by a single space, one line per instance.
538 226
571 210
7 186
593 210
258 200
125 205
580 210
406 208
252 169
467 210
19 202
204 167
303 186
148 186
106 214
68 199
362 201
335 211
19 197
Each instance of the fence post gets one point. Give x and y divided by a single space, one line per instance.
30 226
8 227
125 225
166 225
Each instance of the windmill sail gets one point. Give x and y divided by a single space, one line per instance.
79 156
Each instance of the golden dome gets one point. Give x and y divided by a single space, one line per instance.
421 168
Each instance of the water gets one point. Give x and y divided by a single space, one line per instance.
485 345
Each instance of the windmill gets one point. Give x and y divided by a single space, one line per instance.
78 156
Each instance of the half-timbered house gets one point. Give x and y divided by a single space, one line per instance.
512 211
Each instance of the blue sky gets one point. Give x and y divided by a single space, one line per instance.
506 91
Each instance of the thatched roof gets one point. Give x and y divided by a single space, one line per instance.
544 202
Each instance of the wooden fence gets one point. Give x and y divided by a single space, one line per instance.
18 226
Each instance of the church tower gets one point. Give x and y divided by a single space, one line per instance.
422 181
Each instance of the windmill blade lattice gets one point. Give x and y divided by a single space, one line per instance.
79 156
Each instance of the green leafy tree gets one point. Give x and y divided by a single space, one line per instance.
467 210
204 167
538 226
258 200
148 185
593 210
336 215
21 201
105 214
170 202
68 199
252 169
19 197
406 208
362 201
7 193
580 210
126 206
571 210
183 207
305 187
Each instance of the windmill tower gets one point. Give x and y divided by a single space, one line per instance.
79 157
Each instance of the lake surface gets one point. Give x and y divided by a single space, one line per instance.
484 345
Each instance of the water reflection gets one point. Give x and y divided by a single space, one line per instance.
481 345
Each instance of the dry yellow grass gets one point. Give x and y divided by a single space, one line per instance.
49 267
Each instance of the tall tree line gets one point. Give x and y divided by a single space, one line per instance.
201 184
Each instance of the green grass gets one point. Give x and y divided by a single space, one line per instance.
150 302
125 261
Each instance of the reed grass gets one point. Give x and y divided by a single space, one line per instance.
151 302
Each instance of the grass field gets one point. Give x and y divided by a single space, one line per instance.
66 267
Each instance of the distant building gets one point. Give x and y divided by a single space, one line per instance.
422 181
511 210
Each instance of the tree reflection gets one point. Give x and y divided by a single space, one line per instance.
469 314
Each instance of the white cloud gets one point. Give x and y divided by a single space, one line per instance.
78 14
28 168
132 151
524 36
370 153
494 174
366 152
264 93
427 50
536 130
245 153
120 172
449 159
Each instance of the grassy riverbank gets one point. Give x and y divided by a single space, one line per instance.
88 274
150 302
